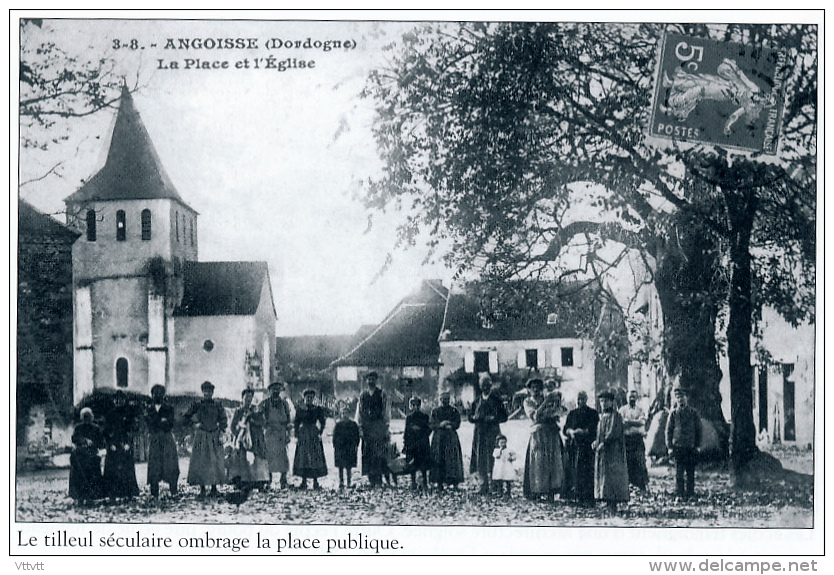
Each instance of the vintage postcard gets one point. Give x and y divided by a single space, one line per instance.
485 284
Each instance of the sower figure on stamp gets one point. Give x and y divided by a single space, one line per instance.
488 412
163 462
372 417
683 437
634 423
208 416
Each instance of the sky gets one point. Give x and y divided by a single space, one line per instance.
272 160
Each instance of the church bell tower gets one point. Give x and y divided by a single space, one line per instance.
136 234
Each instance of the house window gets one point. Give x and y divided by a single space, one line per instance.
177 224
121 232
347 373
208 345
91 225
413 371
552 319
567 357
192 233
146 225
481 362
121 372
532 358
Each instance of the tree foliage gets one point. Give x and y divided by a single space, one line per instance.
56 85
518 144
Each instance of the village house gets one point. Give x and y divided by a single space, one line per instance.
471 344
304 362
44 328
145 310
783 382
403 349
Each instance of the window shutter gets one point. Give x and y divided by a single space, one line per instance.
469 362
522 359
540 360
556 358
493 361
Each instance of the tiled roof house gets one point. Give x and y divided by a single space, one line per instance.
543 344
403 348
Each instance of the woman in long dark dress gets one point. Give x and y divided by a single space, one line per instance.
488 412
85 481
310 420
447 456
581 430
543 469
416 447
372 418
610 469
163 460
206 467
119 467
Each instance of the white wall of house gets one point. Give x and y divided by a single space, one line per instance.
512 354
787 346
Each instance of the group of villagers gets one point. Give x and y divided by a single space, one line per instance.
595 457
599 455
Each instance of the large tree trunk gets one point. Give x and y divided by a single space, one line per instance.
688 282
741 210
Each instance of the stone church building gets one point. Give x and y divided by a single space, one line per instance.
145 310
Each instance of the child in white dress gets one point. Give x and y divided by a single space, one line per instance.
503 470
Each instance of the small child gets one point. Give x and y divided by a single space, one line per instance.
416 445
503 472
345 446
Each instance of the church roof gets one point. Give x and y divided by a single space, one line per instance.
133 170
222 288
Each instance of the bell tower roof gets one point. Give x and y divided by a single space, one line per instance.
133 170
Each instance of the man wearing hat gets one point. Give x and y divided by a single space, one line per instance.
581 431
610 471
372 417
163 462
634 421
487 413
209 419
683 436
277 421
